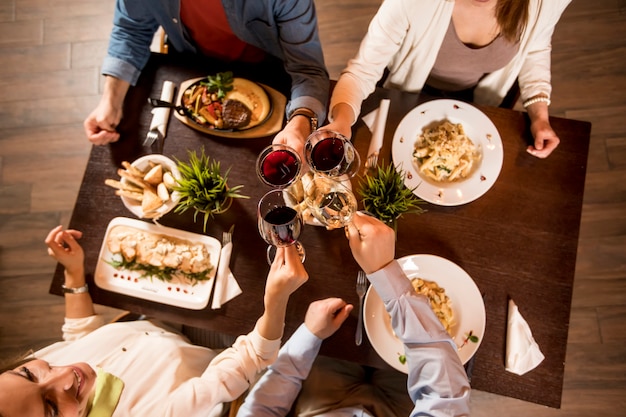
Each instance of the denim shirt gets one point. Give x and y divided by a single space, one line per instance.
286 29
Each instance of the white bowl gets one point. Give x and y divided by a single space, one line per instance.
143 164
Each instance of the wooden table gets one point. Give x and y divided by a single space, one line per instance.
517 241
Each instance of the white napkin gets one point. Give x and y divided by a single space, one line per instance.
376 121
226 286
522 352
161 115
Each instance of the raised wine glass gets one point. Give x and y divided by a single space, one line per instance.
330 202
331 154
279 223
278 165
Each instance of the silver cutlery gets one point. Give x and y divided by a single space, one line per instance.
151 137
227 237
371 161
361 288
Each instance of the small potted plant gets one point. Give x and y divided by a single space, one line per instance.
203 187
385 196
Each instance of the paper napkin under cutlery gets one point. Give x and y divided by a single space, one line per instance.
226 286
376 121
161 115
522 352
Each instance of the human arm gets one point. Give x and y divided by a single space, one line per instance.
385 36
100 126
134 26
545 139
275 392
535 76
437 382
63 247
80 318
230 373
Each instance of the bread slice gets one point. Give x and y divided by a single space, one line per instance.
151 201
155 175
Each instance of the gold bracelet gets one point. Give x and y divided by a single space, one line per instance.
536 100
78 290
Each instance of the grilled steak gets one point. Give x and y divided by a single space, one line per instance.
235 114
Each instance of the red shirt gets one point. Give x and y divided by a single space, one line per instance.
207 24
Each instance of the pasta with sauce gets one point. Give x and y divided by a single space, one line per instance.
445 153
439 301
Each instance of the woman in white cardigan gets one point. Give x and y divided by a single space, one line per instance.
451 43
141 368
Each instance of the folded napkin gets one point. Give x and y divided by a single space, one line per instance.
161 115
522 352
226 286
376 121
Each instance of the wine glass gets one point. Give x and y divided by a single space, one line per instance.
278 165
279 223
331 154
330 202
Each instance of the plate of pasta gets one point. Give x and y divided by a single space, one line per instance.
454 297
450 152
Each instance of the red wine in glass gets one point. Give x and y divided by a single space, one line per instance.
331 154
327 154
278 165
281 226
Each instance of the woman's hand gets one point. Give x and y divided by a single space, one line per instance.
324 317
545 139
372 242
63 247
286 275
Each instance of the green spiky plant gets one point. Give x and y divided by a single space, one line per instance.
203 187
385 196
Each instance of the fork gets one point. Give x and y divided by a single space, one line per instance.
227 237
151 137
361 287
371 161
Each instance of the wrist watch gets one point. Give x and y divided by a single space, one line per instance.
77 290
309 114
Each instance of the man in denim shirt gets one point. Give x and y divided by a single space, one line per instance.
230 30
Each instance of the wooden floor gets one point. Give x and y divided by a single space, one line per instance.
50 51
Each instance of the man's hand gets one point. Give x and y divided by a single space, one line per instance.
372 242
324 317
101 124
294 135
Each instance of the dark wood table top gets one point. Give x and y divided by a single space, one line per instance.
517 241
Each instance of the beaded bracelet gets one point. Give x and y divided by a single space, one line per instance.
537 100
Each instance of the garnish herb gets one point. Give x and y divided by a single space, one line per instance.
220 83
164 274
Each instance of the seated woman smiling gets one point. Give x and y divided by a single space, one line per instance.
140 368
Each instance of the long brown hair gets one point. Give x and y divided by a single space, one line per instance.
512 16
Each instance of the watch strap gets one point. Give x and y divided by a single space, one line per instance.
309 114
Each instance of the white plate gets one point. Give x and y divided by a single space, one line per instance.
180 294
478 127
467 306
143 164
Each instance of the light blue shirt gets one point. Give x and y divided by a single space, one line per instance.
437 382
286 29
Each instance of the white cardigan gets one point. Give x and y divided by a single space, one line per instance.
405 36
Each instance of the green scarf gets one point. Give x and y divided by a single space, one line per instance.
108 391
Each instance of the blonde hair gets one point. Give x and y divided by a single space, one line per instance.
512 17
